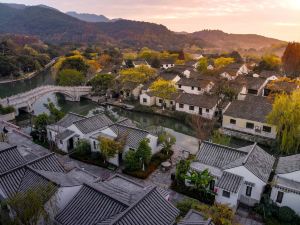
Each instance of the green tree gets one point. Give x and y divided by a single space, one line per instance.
83 148
220 139
70 77
29 206
143 153
147 71
201 180
269 62
132 163
181 170
163 89
75 63
285 115
101 82
223 62
109 148
8 66
131 77
40 122
202 64
55 113
167 141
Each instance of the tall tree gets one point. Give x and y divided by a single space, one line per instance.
291 59
109 148
101 82
70 77
202 64
143 153
285 115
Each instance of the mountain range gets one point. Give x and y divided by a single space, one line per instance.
54 26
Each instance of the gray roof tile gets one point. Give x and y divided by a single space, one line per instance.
63 135
288 164
93 123
69 119
230 182
10 158
194 217
203 101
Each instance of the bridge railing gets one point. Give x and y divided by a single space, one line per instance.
23 97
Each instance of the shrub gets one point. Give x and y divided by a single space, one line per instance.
285 214
185 205
6 110
83 148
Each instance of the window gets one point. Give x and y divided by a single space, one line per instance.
192 88
279 197
267 129
144 100
181 106
248 191
249 125
200 111
226 194
179 85
199 88
95 145
171 102
160 101
191 107
207 110
212 185
61 142
232 121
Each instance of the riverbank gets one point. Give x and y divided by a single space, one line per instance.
30 75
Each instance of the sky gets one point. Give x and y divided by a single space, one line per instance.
273 18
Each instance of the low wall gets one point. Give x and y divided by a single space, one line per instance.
8 117
248 137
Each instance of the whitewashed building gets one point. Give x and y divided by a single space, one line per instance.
286 183
240 174
66 133
167 63
195 86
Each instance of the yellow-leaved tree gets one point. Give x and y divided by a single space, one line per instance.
223 62
163 89
285 115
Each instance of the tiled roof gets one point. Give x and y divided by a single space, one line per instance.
89 206
93 123
285 183
47 163
10 158
194 217
288 164
230 182
63 135
69 119
259 162
201 83
133 135
203 101
254 108
217 155
253 83
168 76
139 213
140 62
30 175
167 61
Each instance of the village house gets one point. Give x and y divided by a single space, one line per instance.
202 105
195 86
247 119
167 63
280 85
78 197
240 175
253 83
286 183
232 71
137 63
72 128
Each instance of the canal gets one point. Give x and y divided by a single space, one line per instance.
154 123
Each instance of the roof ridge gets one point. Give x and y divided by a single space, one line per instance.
123 177
27 164
36 171
249 153
9 148
106 193
131 127
76 114
224 146
85 118
132 206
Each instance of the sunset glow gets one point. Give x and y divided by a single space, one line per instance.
274 18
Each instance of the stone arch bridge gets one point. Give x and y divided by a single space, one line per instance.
27 99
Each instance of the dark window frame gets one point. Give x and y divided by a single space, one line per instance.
192 88
160 101
179 85
249 125
144 100
207 110
279 197
267 129
248 191
226 194
191 107
181 106
232 121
